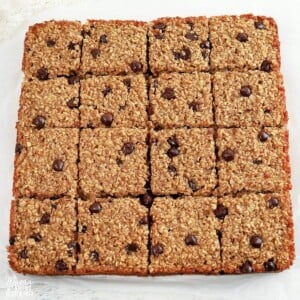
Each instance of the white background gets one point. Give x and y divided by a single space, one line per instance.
15 16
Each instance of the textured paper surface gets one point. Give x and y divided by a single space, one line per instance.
281 286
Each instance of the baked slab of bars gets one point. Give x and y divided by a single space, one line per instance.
152 148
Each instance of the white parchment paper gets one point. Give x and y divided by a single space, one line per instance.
15 17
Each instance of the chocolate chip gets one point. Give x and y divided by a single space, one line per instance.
75 246
36 236
127 82
12 240
157 249
192 185
86 32
72 103
256 241
58 165
242 37
159 36
128 148
119 161
257 161
273 202
246 91
172 141
71 46
60 265
186 53
205 45
194 106
192 36
95 52
94 255
39 122
132 247
204 54
191 24
107 119
73 79
259 25
246 267
160 26
228 154
83 228
172 152
177 55
42 74
45 219
95 208
270 265
263 136
221 211
168 93
144 221
136 66
172 169
147 199
106 91
18 148
191 240
51 43
266 66
103 39
23 253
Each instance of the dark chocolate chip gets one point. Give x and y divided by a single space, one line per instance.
23 253
273 202
60 265
270 265
95 52
75 246
159 36
192 36
119 161
246 267
266 66
242 37
136 66
194 106
106 91
259 25
157 249
193 185
172 141
176 55
103 39
132 247
246 91
160 26
147 200
71 46
205 45
128 148
257 161
186 53
95 208
12 240
172 169
263 136
36 236
172 152
221 211
39 122
168 93
94 255
144 221
256 241
45 219
42 74
58 165
18 148
228 154
191 240
73 79
72 103
127 82
83 228
107 119
51 43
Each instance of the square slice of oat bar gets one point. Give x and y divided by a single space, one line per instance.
183 161
46 162
52 49
257 233
244 42
184 236
113 236
50 103
114 47
113 161
42 236
181 99
179 44
114 101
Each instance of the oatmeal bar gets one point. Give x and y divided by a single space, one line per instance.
257 233
114 101
51 49
42 236
113 237
50 103
183 162
180 99
184 236
46 162
179 44
114 47
113 161
244 42
253 159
